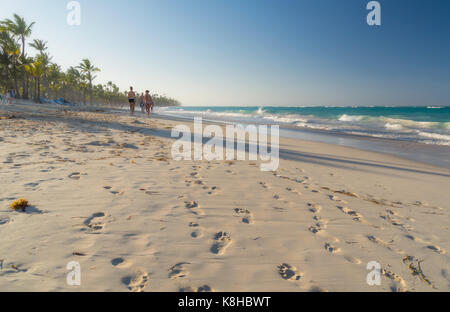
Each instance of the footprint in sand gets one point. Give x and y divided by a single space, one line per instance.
212 190
31 186
436 249
197 233
388 218
336 199
120 263
8 161
195 175
318 289
387 245
289 272
319 226
356 216
430 246
178 271
109 188
293 190
75 176
352 259
280 209
394 213
315 208
190 289
336 250
199 182
4 220
332 249
222 242
444 274
399 284
316 228
137 282
247 216
194 207
93 222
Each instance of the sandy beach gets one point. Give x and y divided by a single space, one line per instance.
105 192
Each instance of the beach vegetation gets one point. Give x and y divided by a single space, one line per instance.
38 78
20 204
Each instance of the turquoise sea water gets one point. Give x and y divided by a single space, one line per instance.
429 125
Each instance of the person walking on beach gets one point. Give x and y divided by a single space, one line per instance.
9 96
142 103
132 100
148 102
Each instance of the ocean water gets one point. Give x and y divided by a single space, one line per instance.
428 125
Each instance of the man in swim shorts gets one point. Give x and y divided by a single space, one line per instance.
132 100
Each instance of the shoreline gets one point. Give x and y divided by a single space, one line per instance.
436 155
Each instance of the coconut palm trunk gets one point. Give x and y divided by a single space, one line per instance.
24 77
21 30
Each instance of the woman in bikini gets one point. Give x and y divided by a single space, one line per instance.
148 102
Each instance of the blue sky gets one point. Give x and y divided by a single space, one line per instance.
256 52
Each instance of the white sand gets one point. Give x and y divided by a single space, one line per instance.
104 187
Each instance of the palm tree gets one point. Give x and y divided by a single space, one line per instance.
22 30
39 75
8 49
54 78
37 70
11 51
39 45
88 70
74 81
